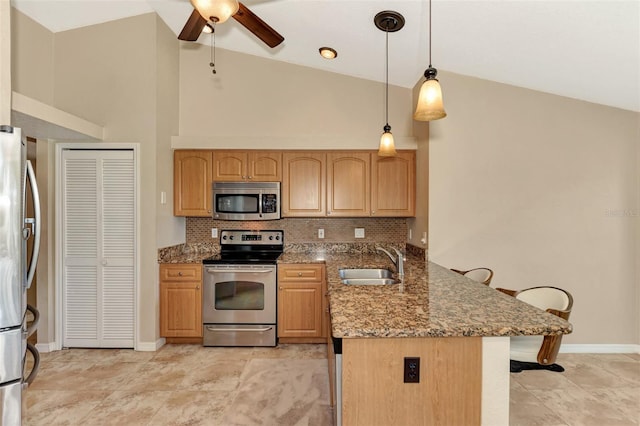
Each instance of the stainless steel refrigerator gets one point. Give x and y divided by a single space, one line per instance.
16 273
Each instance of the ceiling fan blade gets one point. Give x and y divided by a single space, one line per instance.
193 27
257 26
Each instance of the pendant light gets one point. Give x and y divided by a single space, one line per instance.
387 21
430 105
216 10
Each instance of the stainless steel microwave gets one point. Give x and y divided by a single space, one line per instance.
246 200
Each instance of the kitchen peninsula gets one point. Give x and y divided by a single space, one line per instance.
458 328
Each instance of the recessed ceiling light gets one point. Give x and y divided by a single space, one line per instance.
328 53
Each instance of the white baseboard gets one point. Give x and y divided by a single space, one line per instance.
151 346
599 349
46 347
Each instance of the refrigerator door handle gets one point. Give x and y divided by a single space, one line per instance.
36 365
36 319
35 223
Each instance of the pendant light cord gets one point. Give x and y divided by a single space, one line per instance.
386 95
429 33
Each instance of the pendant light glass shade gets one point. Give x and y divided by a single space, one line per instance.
216 10
430 105
387 147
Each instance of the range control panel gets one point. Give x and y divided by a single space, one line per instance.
252 238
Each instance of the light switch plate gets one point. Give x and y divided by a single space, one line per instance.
359 233
320 233
214 232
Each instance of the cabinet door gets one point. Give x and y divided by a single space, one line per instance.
348 184
181 309
181 300
304 184
229 165
393 185
265 166
300 310
192 183
301 304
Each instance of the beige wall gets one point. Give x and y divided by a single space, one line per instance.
32 58
544 190
5 62
419 226
170 229
259 103
124 75
109 74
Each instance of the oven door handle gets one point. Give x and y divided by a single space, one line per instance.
253 330
239 271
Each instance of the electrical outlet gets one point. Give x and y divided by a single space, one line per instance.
359 233
320 233
411 370
214 232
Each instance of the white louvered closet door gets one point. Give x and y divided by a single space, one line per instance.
98 288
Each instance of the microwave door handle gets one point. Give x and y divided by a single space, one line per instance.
34 222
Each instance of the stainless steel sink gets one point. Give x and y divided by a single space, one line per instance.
367 276
365 273
369 281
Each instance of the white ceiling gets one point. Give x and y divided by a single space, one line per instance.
583 49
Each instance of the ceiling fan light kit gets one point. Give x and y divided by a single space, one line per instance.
430 105
389 22
217 11
208 12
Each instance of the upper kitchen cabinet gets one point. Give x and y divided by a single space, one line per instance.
192 183
258 166
393 185
348 184
304 184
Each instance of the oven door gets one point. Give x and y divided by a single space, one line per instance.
239 294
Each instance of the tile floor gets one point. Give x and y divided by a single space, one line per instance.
288 385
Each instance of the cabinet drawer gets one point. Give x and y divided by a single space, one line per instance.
300 273
181 272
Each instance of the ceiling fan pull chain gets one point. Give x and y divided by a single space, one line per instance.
212 53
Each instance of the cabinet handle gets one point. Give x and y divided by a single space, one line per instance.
299 274
197 287
208 211
328 212
279 288
179 274
244 177
250 177
327 310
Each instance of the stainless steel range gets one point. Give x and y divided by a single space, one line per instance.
239 292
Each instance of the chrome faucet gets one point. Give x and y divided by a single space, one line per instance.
397 261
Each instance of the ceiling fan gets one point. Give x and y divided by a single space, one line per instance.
218 11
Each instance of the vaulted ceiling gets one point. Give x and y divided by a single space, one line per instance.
583 49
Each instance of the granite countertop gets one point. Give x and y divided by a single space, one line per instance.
432 301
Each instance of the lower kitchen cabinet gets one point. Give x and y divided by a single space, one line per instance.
181 301
301 303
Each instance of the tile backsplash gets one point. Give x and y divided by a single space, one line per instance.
305 230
